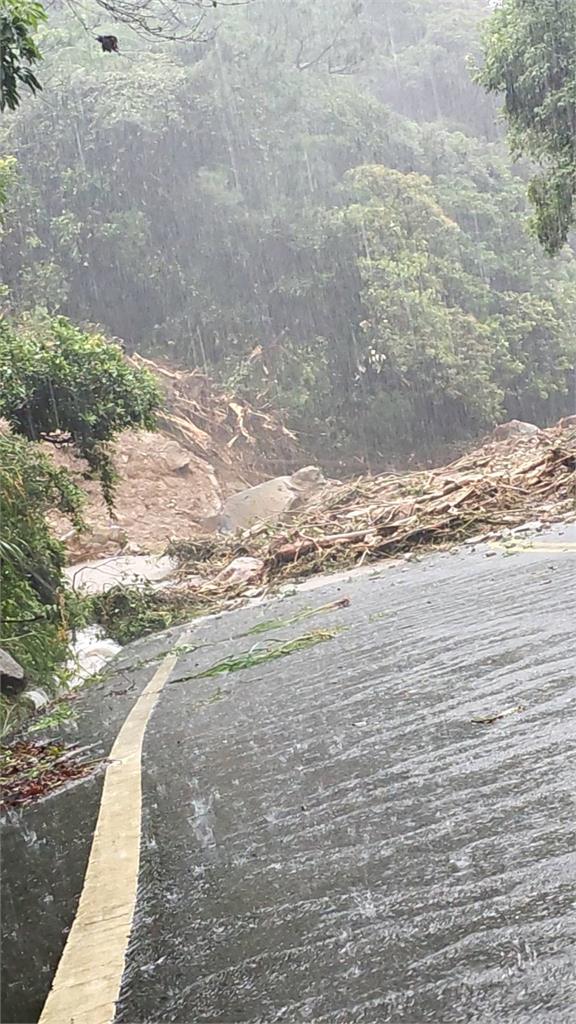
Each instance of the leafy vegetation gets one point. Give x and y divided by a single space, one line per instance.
19 20
32 769
36 609
59 713
73 387
269 624
315 205
530 60
7 172
128 613
258 655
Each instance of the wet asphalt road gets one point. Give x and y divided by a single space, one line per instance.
329 837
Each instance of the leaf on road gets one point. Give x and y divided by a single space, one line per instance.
30 770
268 624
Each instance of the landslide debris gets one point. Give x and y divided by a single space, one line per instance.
209 444
497 487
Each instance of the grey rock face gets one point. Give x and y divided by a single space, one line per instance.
514 428
269 500
12 679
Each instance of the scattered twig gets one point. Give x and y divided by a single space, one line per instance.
489 719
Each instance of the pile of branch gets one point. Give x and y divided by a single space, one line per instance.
493 489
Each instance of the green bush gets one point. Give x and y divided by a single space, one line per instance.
72 386
36 608
127 613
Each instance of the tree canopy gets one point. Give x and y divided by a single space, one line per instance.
530 58
314 205
176 20
19 20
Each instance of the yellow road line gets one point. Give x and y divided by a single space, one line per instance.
87 982
537 545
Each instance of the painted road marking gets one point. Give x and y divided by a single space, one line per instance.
536 545
87 982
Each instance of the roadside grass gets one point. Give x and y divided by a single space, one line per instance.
57 714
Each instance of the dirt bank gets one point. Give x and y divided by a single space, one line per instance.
209 444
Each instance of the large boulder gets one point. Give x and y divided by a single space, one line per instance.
12 678
514 428
268 501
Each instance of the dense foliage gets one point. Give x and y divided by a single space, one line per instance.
314 204
126 613
35 608
73 387
531 60
19 19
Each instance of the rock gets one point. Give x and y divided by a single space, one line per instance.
128 570
267 501
148 455
104 535
534 527
12 678
39 698
241 570
131 548
514 428
107 538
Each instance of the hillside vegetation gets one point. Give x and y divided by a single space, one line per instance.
315 204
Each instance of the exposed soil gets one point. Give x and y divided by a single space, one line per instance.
209 444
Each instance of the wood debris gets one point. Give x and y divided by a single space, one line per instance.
487 492
497 715
213 423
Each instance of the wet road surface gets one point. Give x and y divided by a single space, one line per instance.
330 837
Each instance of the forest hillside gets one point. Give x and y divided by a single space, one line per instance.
315 204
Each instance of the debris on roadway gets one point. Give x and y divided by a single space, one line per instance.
486 493
497 715
31 769
258 654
